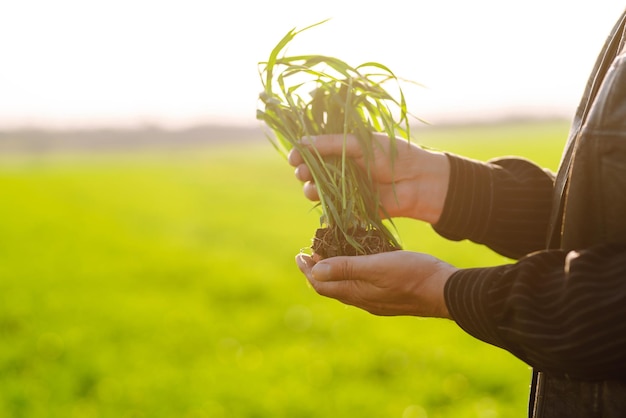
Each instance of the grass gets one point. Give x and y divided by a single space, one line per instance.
308 95
163 285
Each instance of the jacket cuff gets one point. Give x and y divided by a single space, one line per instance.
467 299
468 202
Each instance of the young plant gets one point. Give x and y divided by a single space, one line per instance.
308 95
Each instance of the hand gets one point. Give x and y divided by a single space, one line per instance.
392 283
420 176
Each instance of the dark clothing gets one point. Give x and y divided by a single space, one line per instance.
561 307
558 314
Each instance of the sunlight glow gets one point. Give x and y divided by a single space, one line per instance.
72 62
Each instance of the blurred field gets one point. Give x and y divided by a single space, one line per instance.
161 283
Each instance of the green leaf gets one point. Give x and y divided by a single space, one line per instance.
305 95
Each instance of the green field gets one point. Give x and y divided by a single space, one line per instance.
163 284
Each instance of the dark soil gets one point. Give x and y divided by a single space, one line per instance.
329 242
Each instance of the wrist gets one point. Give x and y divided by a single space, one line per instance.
444 274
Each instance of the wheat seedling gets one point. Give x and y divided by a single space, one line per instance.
308 95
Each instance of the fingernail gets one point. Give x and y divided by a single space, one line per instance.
301 261
321 271
308 140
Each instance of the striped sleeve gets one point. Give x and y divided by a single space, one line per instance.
559 312
504 204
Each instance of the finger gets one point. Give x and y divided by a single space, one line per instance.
305 264
333 144
310 191
341 291
330 289
295 158
303 173
362 267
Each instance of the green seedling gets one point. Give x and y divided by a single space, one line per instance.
309 95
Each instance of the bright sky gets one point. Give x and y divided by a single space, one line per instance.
178 62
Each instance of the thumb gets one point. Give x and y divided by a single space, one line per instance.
323 271
333 144
341 268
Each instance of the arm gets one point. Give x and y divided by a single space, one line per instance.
504 204
559 312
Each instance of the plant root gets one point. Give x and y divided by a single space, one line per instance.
330 242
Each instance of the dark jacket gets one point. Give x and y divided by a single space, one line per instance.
589 208
561 307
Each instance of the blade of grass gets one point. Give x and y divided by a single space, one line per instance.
339 99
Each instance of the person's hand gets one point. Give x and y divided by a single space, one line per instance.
421 176
392 283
